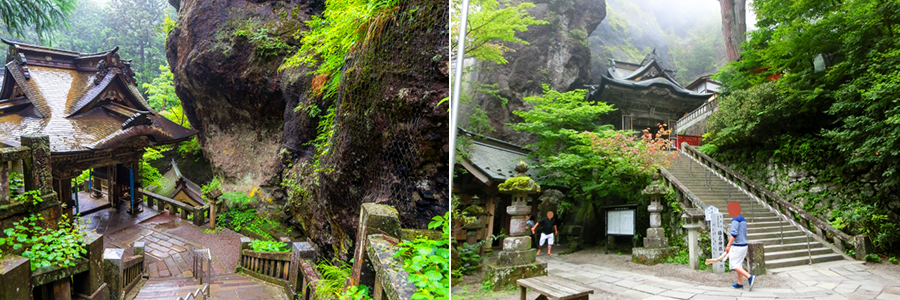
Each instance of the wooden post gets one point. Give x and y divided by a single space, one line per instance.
490 208
212 214
111 184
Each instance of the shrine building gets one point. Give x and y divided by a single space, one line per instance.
89 106
644 94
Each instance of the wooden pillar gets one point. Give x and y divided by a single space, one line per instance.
113 186
490 208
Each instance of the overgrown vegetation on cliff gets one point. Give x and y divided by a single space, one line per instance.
816 89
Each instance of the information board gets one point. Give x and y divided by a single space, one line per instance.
716 237
620 222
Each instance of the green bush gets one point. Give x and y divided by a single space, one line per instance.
872 257
46 247
331 284
893 260
268 246
428 261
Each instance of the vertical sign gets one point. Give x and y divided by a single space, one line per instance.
716 231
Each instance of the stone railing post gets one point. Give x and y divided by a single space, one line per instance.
88 284
299 251
37 165
112 272
863 246
198 216
15 278
692 223
373 219
757 258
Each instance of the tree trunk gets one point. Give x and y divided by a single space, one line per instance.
734 26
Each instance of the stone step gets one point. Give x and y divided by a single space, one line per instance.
755 229
753 219
787 240
769 235
789 247
772 256
801 260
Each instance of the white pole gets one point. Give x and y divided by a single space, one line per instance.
457 84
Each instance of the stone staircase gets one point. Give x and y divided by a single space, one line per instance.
785 244
226 286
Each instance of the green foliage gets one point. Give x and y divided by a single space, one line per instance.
161 91
487 285
331 284
428 261
16 181
893 260
190 147
491 27
841 120
343 26
32 198
682 257
46 247
268 246
872 257
236 199
577 150
859 218
265 44
43 16
212 185
238 218
149 174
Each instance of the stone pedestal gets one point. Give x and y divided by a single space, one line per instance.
756 256
656 245
112 272
503 277
90 282
373 219
692 222
15 277
517 259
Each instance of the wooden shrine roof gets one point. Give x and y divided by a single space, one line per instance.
82 101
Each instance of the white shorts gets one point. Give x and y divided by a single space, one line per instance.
546 237
736 256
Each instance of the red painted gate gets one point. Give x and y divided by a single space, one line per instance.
692 140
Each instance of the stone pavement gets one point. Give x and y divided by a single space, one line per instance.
225 287
834 280
167 254
111 220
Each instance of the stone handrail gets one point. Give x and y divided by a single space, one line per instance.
806 220
681 190
390 277
182 209
133 270
685 121
269 266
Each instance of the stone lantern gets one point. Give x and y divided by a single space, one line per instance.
517 259
656 245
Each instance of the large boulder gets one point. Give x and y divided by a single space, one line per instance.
228 81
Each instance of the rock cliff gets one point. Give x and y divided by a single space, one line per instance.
390 135
557 55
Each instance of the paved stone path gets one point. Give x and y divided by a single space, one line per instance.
224 287
110 220
834 280
167 254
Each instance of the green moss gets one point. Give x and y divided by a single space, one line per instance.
520 184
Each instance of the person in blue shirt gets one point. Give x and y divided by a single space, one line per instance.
737 246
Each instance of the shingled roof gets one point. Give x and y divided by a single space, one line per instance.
494 158
82 101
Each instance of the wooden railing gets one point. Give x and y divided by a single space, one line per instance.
824 232
133 270
181 209
692 117
272 266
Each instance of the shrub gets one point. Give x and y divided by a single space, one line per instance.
428 261
268 246
46 247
